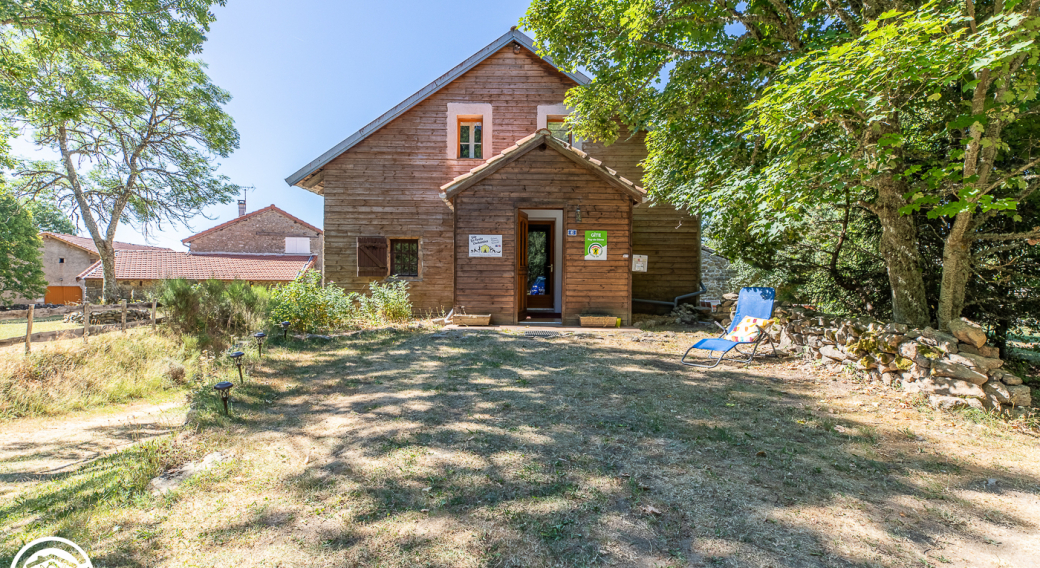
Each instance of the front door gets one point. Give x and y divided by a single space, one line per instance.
540 265
522 228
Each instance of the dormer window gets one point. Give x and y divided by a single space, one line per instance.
558 126
554 118
471 138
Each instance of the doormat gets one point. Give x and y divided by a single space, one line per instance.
541 333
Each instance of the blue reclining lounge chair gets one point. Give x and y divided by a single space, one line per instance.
753 302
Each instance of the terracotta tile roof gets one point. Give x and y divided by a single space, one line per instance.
87 243
248 215
525 145
160 265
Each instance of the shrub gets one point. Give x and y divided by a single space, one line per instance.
309 306
388 302
213 311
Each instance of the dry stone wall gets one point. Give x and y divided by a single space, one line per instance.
716 275
952 370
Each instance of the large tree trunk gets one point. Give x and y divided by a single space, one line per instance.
110 290
956 270
899 247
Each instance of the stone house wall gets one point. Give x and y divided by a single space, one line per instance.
716 276
260 233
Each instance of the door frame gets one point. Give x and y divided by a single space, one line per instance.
561 262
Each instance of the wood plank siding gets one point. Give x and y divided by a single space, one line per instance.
670 238
387 185
547 180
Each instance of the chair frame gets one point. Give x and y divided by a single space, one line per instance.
747 357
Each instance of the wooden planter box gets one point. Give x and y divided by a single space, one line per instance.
599 321
471 319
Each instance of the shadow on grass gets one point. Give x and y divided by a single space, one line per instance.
570 452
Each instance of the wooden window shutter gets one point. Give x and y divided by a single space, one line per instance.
371 256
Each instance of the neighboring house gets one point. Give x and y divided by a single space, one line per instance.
139 271
473 191
268 231
716 275
267 246
65 257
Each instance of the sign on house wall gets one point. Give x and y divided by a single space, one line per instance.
639 263
485 245
595 245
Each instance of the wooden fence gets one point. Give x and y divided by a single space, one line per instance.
84 332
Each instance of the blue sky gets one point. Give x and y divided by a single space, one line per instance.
306 74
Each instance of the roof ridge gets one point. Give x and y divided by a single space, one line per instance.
454 73
271 207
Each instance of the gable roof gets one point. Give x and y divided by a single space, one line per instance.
525 145
87 243
248 215
513 35
160 265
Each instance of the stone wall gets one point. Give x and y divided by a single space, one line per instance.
716 275
958 370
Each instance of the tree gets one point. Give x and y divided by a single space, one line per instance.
140 152
136 130
21 266
47 216
772 110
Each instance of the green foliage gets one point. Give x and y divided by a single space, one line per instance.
768 117
388 302
21 266
137 125
214 311
48 216
311 307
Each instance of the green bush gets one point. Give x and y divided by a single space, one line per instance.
309 306
388 302
214 311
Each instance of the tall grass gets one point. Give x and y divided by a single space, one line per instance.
111 368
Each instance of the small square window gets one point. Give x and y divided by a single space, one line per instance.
471 139
560 130
61 261
404 257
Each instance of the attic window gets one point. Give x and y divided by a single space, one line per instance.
558 126
471 138
61 261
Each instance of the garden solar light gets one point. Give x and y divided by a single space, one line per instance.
237 356
224 389
260 342
285 330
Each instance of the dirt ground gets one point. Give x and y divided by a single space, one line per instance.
38 449
433 448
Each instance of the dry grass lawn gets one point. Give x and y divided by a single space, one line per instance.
433 448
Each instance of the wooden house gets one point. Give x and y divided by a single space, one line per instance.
472 190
